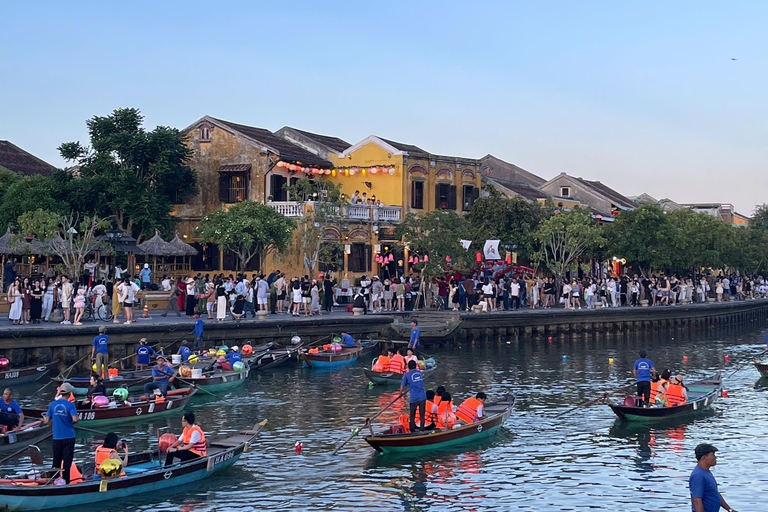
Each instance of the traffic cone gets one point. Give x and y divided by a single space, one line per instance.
145 313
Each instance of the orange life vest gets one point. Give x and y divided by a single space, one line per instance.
75 476
199 447
467 411
397 364
675 395
429 414
438 399
405 421
384 362
446 418
656 388
102 454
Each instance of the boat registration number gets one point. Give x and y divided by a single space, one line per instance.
224 456
85 416
11 375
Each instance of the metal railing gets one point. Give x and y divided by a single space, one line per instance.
352 211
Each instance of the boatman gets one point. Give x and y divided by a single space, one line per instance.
414 381
10 412
234 355
162 376
191 444
62 414
199 345
642 372
100 351
184 351
415 335
347 341
704 494
143 354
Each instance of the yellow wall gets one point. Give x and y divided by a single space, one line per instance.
387 188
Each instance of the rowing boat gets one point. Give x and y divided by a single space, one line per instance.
218 379
27 374
394 378
30 432
763 369
496 414
145 474
134 408
701 396
128 380
328 358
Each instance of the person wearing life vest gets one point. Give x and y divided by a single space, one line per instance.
446 418
471 409
677 393
108 450
383 361
409 356
430 414
439 392
397 363
659 385
191 444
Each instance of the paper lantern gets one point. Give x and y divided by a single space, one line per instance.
333 173
447 259
410 259
328 171
374 170
509 259
391 258
281 164
425 258
479 258
363 172
400 263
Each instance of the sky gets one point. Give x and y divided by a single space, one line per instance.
643 96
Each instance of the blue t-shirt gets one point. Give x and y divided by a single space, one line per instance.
643 369
185 352
414 379
233 357
167 371
348 340
100 342
12 407
703 485
415 335
198 328
60 412
144 352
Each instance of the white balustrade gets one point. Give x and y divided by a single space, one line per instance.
288 208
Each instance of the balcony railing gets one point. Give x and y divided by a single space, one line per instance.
350 212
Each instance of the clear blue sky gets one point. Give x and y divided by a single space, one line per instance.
643 96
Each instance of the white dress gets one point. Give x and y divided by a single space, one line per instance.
221 307
15 312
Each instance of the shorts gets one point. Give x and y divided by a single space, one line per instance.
376 296
306 300
209 306
127 304
401 296
665 294
261 301
281 296
65 304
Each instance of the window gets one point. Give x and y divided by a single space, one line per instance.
360 258
233 187
417 195
331 257
469 196
445 196
207 257
277 187
205 134
565 191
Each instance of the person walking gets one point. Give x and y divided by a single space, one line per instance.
173 302
66 298
100 351
62 415
642 371
328 296
146 275
702 484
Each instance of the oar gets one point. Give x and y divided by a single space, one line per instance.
605 395
14 454
196 386
761 354
61 374
368 422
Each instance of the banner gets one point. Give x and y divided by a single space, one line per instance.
491 250
465 244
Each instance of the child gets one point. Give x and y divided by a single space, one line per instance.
79 305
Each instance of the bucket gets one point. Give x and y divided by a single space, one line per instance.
176 358
197 373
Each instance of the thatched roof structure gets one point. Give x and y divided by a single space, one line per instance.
156 246
183 248
12 244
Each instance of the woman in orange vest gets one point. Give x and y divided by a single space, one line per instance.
382 362
660 386
471 409
108 450
397 363
677 394
446 418
191 444
439 392
430 412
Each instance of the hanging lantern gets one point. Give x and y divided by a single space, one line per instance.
281 164
391 171
363 172
410 259
391 257
333 173
479 258
346 172
509 259
425 258
447 259
328 171
399 263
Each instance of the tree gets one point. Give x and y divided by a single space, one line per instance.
438 235
133 176
699 239
759 218
247 229
643 236
564 238
29 193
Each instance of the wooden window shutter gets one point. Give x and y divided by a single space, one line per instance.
452 197
224 188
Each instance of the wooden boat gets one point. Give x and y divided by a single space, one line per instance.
368 345
496 414
128 380
272 358
701 395
218 379
145 474
136 408
763 369
14 376
327 358
394 378
31 432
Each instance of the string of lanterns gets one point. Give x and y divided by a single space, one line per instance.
344 171
389 258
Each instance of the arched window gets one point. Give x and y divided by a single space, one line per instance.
205 134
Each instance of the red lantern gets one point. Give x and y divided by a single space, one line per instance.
425 258
391 258
479 257
509 259
447 259
410 259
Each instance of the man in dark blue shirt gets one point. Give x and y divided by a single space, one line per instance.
100 351
415 335
642 370
199 345
143 354
62 414
347 341
184 351
162 376
704 494
10 412
414 381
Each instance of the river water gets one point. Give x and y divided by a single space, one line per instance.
587 460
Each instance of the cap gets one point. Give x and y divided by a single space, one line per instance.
160 357
102 329
146 265
143 340
67 388
704 449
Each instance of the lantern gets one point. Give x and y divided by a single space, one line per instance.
447 259
281 164
425 258
391 171
328 171
410 259
363 172
333 173
509 259
479 258
391 258
346 172
399 263
374 170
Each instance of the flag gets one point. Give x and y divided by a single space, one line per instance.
491 250
465 244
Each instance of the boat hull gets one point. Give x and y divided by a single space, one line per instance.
221 381
329 359
763 369
13 441
25 375
702 395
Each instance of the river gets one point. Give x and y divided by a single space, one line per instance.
587 460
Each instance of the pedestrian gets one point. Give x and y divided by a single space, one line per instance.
642 371
173 301
100 351
414 381
415 335
328 294
262 289
127 296
191 303
145 275
221 301
198 345
704 494
49 299
62 415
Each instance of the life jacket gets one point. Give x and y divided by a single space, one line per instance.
384 362
656 388
405 421
75 476
675 395
446 418
430 416
198 448
397 364
438 399
102 454
467 411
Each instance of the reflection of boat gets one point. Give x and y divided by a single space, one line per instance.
27 374
701 395
761 383
497 413
144 474
394 378
763 369
31 432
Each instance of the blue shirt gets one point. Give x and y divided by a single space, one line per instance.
198 328
144 274
643 369
60 413
414 380
100 342
12 407
167 371
348 340
415 335
144 352
185 352
233 357
703 485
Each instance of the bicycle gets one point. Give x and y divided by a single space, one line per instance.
103 312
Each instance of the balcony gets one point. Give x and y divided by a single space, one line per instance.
362 213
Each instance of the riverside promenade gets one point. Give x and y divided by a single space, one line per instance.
39 343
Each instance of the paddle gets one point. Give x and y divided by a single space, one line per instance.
605 395
368 422
9 457
198 387
761 354
61 374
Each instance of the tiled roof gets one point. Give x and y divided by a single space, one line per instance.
287 150
334 143
19 161
411 149
608 192
499 169
235 168
523 189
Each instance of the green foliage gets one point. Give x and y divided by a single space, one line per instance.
513 221
759 219
29 193
247 229
700 240
437 234
642 236
40 223
564 238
